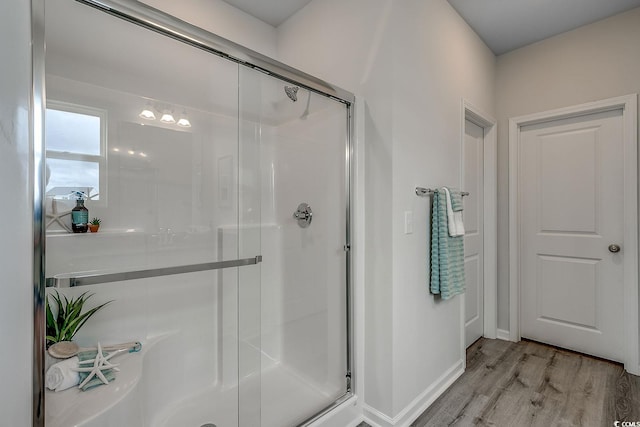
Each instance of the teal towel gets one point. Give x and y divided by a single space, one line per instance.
95 381
456 199
447 253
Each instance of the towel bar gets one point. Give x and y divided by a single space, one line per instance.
421 191
94 279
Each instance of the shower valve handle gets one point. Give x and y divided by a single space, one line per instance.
303 215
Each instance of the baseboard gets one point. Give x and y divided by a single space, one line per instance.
378 419
632 369
502 334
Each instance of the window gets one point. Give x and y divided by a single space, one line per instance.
75 139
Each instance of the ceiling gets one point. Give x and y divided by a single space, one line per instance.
273 12
505 25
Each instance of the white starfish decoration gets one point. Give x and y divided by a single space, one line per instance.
100 363
57 216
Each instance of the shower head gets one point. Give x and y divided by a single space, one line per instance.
292 92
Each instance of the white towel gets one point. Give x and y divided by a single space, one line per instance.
456 227
62 376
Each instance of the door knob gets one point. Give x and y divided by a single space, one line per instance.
614 248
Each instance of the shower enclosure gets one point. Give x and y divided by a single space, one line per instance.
222 181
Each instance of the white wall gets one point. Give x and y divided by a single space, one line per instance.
224 20
411 62
16 249
590 63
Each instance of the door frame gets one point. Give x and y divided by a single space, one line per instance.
490 216
628 104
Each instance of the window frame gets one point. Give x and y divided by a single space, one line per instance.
100 159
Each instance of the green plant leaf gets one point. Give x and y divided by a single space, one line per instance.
63 308
70 318
53 329
52 326
83 319
74 308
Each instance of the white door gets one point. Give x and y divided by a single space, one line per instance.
571 193
473 183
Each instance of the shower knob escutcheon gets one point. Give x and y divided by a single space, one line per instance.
303 215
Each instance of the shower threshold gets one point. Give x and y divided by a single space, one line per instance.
278 386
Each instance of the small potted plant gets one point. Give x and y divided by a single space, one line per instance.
94 225
66 318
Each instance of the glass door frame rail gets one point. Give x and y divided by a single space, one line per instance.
170 26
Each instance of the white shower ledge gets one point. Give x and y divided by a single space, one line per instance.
73 407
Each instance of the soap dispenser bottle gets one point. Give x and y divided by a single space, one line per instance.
79 215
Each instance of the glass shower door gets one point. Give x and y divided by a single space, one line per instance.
300 350
147 128
195 164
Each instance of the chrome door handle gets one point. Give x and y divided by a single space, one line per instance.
613 248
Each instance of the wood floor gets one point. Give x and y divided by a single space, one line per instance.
531 384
